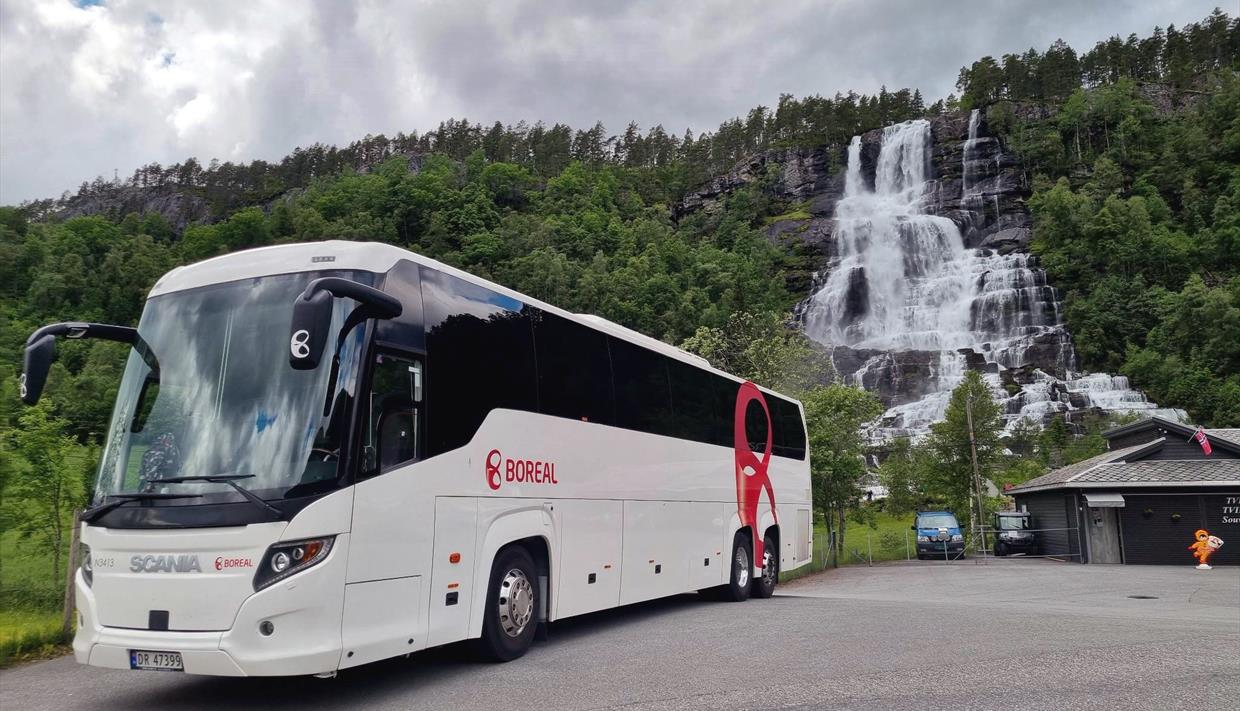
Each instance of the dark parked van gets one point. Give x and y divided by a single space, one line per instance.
938 535
1014 533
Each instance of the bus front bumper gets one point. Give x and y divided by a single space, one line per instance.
305 612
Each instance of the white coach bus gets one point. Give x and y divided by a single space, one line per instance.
322 455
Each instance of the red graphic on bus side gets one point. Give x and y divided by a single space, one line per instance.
752 475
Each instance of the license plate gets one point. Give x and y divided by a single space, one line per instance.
156 661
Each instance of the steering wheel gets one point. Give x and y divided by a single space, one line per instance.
325 455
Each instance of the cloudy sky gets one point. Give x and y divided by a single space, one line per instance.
92 86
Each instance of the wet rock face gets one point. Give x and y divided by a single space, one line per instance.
184 206
800 174
179 208
896 377
804 174
979 185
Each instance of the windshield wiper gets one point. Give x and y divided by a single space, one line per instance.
121 499
229 479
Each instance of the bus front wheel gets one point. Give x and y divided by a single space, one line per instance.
511 616
737 589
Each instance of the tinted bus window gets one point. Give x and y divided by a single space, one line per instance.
574 370
402 281
726 391
756 430
479 357
643 397
789 429
702 409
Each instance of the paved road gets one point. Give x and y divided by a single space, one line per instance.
1012 634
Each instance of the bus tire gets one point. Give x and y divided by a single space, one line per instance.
763 586
741 565
511 616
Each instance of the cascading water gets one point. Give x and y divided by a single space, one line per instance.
901 279
899 283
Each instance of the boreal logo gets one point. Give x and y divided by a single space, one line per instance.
221 563
493 461
501 469
299 344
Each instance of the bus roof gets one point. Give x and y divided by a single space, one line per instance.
378 257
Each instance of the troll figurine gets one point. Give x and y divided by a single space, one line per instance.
1204 546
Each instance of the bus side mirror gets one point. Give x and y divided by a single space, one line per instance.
41 351
36 364
312 318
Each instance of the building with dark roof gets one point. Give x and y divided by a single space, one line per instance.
1143 499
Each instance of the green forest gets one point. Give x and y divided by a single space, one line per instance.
1132 149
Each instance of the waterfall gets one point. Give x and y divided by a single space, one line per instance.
900 282
966 154
902 279
852 180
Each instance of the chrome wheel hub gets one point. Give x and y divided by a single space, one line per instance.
768 569
516 602
742 566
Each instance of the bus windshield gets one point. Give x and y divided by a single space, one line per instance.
216 397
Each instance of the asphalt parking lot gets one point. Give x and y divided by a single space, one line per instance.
1018 634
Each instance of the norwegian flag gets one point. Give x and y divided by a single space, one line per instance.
1202 440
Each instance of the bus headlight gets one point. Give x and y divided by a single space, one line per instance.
289 558
923 539
956 537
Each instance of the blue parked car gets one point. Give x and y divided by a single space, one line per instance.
938 535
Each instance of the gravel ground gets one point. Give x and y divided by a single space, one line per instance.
1020 634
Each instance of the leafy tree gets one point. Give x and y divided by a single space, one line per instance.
904 473
41 500
765 348
981 84
834 415
971 423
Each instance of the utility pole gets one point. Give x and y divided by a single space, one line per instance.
979 518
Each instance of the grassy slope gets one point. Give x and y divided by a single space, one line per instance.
886 541
28 634
29 602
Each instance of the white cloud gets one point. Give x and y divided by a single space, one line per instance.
84 91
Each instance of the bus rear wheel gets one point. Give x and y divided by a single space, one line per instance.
511 616
764 585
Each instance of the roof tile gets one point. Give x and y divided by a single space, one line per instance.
1231 435
1064 474
1172 471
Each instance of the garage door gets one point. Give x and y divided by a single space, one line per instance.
1052 511
1158 529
